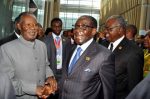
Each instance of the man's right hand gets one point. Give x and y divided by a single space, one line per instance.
39 91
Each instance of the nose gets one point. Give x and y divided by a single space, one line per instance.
33 26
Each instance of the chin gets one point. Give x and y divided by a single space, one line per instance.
79 43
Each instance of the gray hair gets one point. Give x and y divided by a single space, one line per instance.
119 19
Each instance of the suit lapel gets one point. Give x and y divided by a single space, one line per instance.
121 46
69 52
85 58
52 50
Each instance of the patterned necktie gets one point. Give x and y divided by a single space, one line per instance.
57 42
74 60
111 46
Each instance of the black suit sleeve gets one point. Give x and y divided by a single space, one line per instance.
135 69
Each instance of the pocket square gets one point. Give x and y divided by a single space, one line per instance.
88 70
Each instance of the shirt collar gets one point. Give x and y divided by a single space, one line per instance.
85 45
54 35
27 43
116 43
17 34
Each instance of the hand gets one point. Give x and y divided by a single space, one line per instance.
47 91
39 91
53 83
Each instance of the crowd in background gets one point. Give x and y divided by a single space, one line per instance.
79 63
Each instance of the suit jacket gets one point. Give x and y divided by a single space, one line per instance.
51 49
26 64
142 90
8 38
93 76
6 87
129 61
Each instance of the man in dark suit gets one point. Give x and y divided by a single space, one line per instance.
129 58
56 44
6 87
92 76
15 34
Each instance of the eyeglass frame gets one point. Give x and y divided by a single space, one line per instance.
111 28
82 27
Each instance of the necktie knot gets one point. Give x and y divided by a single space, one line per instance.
79 50
57 39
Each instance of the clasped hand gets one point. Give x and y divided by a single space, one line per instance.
50 87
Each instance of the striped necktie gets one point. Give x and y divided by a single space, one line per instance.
76 57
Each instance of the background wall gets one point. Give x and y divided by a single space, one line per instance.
135 12
5 17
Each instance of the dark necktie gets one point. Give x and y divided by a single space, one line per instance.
74 60
111 46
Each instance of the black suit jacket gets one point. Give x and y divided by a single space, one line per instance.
142 90
129 61
93 76
51 49
8 38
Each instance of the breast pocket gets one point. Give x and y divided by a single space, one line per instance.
88 75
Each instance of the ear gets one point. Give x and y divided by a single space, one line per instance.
122 31
94 30
18 26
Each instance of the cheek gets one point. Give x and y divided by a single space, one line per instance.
108 36
148 42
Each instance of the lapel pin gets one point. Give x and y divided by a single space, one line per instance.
87 58
120 47
64 40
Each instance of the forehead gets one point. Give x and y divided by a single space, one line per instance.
28 18
56 22
83 20
111 22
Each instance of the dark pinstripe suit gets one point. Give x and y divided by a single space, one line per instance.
93 76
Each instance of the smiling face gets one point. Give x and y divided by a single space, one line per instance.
83 30
28 27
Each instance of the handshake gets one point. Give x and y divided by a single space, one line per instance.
50 87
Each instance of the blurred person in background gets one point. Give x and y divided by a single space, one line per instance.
131 31
56 44
48 31
69 34
147 54
100 37
15 34
40 34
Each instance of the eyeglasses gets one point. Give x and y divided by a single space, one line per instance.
82 27
111 28
30 26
